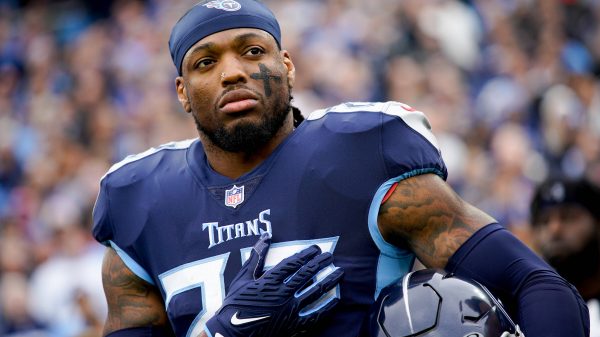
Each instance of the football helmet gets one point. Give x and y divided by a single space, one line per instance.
433 303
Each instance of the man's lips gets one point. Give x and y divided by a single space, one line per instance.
237 100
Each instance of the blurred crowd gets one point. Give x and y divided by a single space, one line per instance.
511 88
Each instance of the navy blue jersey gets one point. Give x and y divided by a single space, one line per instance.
183 227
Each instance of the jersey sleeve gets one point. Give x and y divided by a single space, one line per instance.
118 238
102 228
408 144
399 145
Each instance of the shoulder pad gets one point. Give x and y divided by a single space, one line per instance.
178 145
413 118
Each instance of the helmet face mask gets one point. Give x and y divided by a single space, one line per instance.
432 303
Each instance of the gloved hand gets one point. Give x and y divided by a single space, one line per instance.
271 304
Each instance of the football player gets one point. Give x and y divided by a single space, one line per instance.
358 187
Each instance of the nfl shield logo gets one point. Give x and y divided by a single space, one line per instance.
234 196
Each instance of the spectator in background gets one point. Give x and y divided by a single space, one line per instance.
66 289
565 215
16 319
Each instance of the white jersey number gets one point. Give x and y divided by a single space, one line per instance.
208 275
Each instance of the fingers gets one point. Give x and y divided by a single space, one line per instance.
259 253
318 308
319 298
313 292
253 267
291 265
309 270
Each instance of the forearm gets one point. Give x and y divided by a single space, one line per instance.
548 296
546 304
135 307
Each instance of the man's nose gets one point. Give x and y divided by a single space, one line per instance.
232 71
554 226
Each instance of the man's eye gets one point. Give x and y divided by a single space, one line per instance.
255 51
204 63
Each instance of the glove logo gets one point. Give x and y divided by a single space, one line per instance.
235 320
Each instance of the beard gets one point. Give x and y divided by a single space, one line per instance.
580 265
247 137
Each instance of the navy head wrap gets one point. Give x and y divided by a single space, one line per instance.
209 17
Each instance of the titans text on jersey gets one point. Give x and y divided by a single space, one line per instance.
186 229
220 233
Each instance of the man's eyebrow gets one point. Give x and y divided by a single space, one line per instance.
240 39
201 47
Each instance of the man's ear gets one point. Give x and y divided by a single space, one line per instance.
182 94
291 69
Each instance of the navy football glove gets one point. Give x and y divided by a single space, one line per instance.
276 304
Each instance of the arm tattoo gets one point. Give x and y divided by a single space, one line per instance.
265 75
132 302
426 216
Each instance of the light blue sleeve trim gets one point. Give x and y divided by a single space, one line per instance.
131 264
391 269
385 247
393 262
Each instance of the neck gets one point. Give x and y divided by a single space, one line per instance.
236 164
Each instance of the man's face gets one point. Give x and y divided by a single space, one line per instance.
237 83
563 230
567 236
